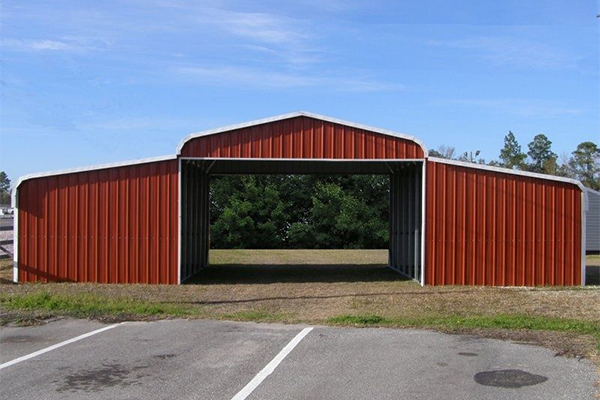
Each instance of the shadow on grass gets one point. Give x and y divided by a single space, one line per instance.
262 274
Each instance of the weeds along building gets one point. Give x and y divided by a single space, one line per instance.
451 223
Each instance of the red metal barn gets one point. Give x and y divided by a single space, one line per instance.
451 223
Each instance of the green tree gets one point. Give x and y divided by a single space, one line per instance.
300 211
543 159
253 216
585 164
341 219
4 188
511 154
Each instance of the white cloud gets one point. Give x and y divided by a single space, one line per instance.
44 44
257 78
267 28
66 44
287 39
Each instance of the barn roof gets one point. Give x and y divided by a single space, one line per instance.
297 114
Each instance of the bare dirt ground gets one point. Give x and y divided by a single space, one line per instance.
344 282
314 286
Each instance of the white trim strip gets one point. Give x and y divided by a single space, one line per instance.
56 346
179 223
423 222
351 160
268 370
15 205
508 171
295 115
584 210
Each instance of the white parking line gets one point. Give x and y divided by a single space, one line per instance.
266 371
56 346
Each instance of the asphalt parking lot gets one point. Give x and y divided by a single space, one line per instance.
229 360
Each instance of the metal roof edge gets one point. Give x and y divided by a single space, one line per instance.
509 171
87 168
300 114
596 192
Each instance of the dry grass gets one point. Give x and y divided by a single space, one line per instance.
298 257
293 288
6 270
290 282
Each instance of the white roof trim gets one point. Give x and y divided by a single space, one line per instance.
89 168
336 160
509 171
299 114
596 192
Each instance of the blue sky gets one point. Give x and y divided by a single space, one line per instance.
87 82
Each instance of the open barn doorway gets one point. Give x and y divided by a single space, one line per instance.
403 254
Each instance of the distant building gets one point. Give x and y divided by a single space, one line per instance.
6 210
592 223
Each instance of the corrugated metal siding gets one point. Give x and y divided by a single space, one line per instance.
490 228
195 221
116 225
592 222
302 137
405 219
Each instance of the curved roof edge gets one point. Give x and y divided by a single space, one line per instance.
596 192
85 169
300 114
511 171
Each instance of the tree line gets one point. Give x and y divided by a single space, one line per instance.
299 211
582 164
4 188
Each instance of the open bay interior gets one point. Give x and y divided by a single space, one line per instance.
405 219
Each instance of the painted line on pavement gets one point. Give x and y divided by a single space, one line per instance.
266 371
56 346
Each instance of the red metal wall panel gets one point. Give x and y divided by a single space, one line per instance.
116 225
302 137
491 228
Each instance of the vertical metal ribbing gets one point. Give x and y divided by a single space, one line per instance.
195 220
199 201
417 227
400 221
391 221
409 224
206 225
405 221
183 221
397 216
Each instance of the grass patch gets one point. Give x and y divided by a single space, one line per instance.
256 316
501 321
89 305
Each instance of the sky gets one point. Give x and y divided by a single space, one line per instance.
90 82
